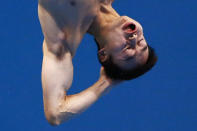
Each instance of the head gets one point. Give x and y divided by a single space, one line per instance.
123 50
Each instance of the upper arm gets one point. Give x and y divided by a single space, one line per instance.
53 34
56 70
57 76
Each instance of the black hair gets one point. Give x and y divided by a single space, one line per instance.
115 72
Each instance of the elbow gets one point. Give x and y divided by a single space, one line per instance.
53 119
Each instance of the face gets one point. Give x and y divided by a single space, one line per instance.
125 43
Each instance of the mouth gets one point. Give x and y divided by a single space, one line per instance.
129 27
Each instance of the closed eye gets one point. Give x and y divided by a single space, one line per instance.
144 49
129 58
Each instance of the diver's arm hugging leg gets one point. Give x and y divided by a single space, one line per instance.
57 75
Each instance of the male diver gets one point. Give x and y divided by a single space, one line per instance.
122 51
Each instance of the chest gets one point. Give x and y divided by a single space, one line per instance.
67 19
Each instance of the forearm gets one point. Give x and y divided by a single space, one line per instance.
56 80
60 107
77 103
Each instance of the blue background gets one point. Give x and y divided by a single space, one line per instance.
162 100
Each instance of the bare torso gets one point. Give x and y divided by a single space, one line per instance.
66 21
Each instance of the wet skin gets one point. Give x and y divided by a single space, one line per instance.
125 43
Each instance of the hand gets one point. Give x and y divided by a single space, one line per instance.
104 76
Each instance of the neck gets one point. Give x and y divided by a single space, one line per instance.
106 15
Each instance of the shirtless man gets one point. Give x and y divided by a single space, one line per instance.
64 23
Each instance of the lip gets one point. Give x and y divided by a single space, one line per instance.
126 24
124 27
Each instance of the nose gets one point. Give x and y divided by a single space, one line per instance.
132 40
132 43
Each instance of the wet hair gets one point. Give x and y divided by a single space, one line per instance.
115 72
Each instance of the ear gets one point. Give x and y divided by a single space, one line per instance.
102 55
